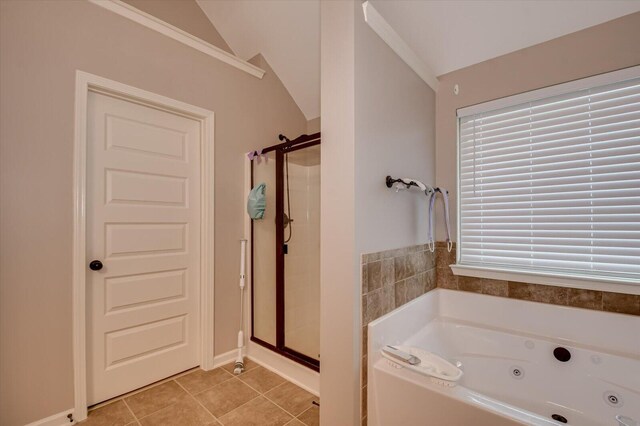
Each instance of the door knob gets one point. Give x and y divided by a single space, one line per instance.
95 265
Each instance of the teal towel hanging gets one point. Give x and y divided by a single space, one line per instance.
257 201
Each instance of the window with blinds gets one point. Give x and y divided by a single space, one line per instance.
553 185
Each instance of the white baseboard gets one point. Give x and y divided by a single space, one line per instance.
59 419
300 375
225 358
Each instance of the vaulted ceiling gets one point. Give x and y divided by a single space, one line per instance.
285 32
449 35
446 35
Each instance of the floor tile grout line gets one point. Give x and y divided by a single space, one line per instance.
166 406
199 403
206 389
130 410
213 387
282 408
261 394
298 417
264 394
238 407
142 389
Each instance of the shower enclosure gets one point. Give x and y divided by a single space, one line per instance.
285 245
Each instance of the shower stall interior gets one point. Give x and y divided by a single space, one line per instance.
285 260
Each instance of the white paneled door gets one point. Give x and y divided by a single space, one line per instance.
143 245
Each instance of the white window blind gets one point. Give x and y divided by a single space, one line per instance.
553 184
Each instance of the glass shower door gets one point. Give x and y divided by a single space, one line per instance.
285 261
301 237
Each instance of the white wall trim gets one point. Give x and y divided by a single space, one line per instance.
225 358
59 419
127 11
88 82
297 374
398 45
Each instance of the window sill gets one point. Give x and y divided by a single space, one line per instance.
564 280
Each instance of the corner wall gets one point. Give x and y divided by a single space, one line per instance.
42 44
378 119
339 275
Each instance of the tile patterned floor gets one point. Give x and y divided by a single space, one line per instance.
216 397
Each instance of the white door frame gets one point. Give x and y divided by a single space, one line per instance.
86 82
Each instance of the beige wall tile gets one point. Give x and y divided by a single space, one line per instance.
371 306
621 303
371 257
365 279
471 284
445 258
418 262
365 335
446 279
495 288
374 275
538 293
364 394
363 373
588 299
401 293
388 271
387 299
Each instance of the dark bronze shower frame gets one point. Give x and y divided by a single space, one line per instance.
301 142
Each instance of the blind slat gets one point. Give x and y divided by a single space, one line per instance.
554 184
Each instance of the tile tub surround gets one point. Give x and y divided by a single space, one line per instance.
216 397
390 279
566 296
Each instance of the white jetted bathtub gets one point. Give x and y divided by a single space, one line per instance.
523 363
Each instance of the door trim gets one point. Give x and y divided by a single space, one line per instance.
86 82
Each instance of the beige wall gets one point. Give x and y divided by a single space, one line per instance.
313 126
339 275
606 47
395 135
42 43
378 118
